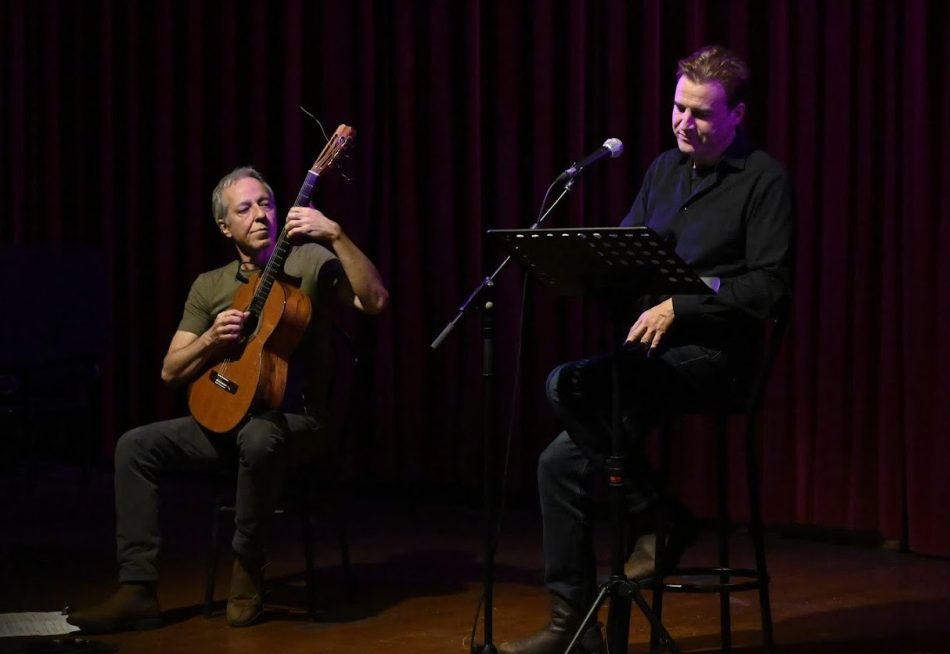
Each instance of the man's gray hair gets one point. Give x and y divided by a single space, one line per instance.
219 208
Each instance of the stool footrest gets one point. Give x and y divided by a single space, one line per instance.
710 586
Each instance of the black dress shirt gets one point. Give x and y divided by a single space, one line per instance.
733 222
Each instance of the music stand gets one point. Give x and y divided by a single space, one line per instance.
612 265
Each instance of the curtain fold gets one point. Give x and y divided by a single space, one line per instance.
117 118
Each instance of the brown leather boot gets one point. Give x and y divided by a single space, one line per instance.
642 561
132 606
557 635
246 599
641 564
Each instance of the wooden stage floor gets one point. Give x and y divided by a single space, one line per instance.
416 563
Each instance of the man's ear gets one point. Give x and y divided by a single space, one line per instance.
738 112
223 226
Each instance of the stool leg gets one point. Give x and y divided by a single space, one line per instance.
722 473
757 533
659 578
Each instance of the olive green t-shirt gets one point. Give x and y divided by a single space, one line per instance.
318 270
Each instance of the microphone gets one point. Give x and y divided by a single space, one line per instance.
611 148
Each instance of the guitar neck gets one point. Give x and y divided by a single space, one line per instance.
276 262
335 146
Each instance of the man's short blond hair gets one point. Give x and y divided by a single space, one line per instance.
715 63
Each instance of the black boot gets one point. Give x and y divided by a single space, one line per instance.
557 635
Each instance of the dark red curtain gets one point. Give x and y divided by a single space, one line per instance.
117 118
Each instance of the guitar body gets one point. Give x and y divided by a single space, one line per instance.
253 373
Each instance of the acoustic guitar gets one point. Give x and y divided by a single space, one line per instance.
253 372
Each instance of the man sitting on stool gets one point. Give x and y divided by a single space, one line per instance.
726 206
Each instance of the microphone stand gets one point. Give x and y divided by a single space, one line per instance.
484 296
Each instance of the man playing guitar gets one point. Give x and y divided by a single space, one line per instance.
326 263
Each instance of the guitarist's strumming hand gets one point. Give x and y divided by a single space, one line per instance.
227 328
188 353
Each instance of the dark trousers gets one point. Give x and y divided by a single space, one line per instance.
581 395
262 448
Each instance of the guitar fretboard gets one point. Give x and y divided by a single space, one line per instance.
276 262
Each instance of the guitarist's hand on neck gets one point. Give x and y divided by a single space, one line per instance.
307 223
363 288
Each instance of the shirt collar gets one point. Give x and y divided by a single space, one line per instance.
735 155
738 151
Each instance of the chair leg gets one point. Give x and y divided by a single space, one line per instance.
344 550
722 473
212 557
339 517
758 538
307 534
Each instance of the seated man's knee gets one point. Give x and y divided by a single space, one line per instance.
260 441
574 384
555 385
131 446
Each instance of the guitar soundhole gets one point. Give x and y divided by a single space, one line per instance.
250 326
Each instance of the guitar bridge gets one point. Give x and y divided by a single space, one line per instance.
223 382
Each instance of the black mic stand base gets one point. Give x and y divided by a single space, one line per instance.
621 591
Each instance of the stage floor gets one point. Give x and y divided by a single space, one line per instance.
418 580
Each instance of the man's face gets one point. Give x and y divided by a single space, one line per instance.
703 123
251 221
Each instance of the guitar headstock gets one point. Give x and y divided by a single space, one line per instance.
335 147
